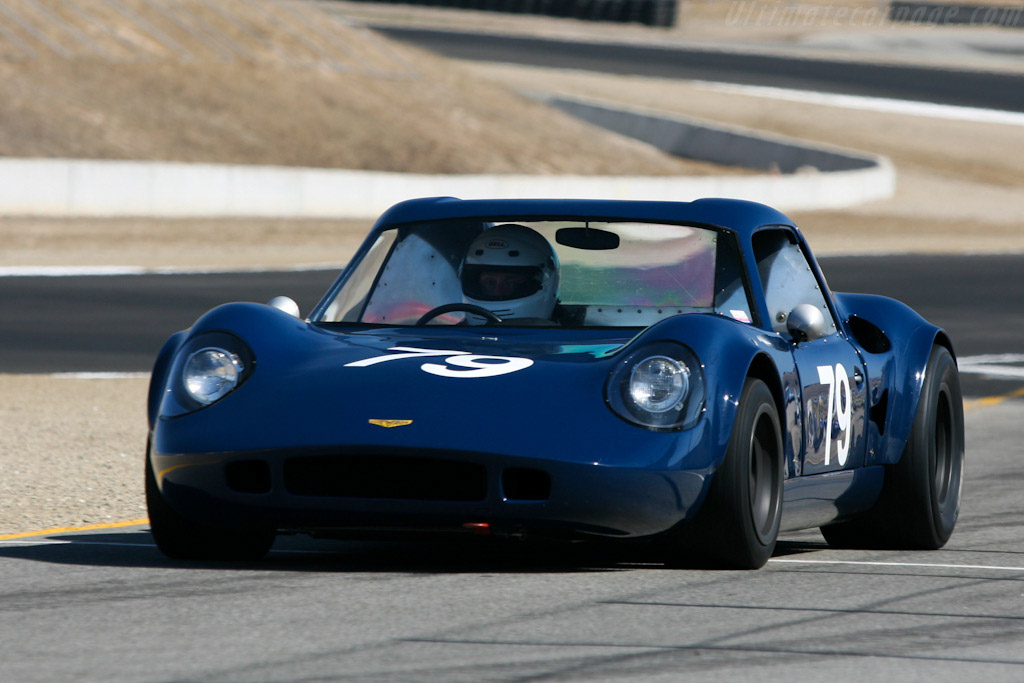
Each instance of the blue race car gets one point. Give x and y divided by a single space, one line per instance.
668 371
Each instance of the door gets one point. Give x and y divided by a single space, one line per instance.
834 391
834 404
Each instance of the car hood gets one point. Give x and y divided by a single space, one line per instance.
517 391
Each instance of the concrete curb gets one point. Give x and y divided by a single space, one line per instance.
717 143
75 187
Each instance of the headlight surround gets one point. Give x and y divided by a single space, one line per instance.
659 386
207 368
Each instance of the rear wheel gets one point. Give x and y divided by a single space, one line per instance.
182 539
920 499
738 525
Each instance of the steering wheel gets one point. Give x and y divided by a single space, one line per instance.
448 308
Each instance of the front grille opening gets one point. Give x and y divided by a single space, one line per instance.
248 476
520 483
385 476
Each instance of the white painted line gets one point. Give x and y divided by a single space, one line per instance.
993 371
99 375
992 358
90 271
999 365
28 542
24 542
914 565
879 104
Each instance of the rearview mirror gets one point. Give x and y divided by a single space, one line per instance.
587 238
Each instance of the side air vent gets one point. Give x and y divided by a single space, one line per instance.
869 335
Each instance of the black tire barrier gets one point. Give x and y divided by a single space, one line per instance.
647 12
950 14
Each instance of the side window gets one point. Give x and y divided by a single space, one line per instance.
787 278
730 293
352 298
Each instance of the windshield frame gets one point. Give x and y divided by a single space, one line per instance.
317 315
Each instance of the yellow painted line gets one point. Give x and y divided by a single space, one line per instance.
66 529
993 400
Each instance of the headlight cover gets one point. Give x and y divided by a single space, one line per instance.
659 386
207 368
211 373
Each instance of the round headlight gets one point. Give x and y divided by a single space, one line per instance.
210 373
659 384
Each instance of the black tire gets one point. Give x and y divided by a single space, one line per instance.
920 500
182 539
738 524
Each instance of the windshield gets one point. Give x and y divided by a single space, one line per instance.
541 273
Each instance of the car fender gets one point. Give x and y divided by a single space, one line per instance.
731 351
248 320
158 377
896 363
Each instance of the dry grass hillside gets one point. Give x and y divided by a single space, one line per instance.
270 82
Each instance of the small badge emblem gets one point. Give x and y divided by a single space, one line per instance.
388 424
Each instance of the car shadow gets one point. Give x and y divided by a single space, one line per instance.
135 548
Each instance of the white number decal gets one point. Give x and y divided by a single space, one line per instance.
474 366
478 366
840 403
410 352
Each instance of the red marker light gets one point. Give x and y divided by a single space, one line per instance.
479 528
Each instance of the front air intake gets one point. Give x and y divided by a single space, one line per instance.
248 476
385 476
520 483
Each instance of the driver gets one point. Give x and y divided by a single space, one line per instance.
512 271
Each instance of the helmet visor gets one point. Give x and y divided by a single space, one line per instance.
500 283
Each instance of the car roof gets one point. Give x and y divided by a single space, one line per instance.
743 217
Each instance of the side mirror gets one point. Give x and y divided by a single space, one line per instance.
805 323
286 304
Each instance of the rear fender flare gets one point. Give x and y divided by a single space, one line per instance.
899 369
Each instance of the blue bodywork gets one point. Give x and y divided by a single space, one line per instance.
304 404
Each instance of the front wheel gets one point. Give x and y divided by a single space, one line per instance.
182 539
738 524
920 500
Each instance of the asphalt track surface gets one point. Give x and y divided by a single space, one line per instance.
119 323
987 90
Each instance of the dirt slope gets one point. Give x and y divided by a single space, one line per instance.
271 82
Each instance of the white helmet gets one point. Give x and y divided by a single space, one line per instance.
512 271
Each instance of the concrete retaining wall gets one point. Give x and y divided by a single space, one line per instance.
74 187
69 187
